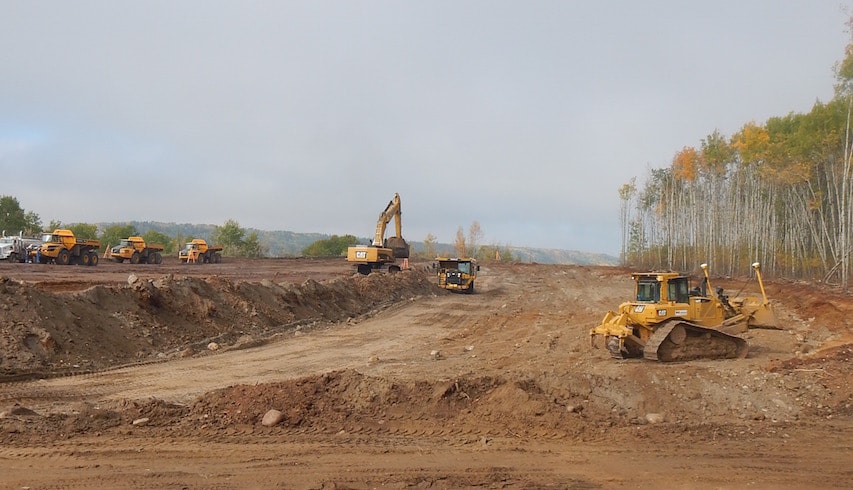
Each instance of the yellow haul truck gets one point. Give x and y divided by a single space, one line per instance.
135 250
456 274
62 248
382 252
199 252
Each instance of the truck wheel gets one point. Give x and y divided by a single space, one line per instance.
471 288
13 257
134 259
63 257
93 259
85 259
158 259
152 259
217 258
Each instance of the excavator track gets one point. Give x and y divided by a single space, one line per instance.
678 340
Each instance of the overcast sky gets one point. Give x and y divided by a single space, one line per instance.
526 116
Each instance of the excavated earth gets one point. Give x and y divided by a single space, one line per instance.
297 373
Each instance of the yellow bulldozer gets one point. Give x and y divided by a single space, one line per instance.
668 321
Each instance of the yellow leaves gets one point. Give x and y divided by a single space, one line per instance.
685 164
787 173
752 142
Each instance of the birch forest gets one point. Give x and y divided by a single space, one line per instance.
779 193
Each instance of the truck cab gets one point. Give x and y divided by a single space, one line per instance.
456 274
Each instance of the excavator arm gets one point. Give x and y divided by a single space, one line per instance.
391 211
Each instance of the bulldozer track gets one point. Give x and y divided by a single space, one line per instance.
678 340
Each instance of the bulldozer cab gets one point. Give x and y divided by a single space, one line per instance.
651 288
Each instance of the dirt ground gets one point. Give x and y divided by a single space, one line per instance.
296 373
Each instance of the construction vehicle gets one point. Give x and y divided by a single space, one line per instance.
456 274
382 252
668 321
63 248
199 252
135 250
16 248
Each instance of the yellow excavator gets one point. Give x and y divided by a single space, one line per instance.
383 252
669 321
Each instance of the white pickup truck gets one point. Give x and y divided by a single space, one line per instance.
16 248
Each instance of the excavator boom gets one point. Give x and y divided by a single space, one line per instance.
394 211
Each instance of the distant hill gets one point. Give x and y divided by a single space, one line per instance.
559 256
282 243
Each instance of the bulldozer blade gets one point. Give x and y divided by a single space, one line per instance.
764 317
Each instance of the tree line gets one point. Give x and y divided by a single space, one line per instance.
236 241
780 193
465 245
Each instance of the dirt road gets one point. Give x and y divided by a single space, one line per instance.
414 387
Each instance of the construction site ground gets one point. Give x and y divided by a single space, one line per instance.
297 373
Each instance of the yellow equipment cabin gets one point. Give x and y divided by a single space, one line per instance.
199 252
136 251
63 248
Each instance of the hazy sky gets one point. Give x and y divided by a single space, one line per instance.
526 116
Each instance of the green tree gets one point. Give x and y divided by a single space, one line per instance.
178 242
330 247
84 231
251 246
54 225
230 236
158 238
113 234
495 253
14 219
235 242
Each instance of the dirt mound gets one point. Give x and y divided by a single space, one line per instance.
48 332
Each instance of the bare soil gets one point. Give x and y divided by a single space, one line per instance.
297 373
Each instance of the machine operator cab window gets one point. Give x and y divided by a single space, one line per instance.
464 267
648 290
678 290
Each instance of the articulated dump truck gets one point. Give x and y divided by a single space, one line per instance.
199 252
136 251
63 248
668 321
